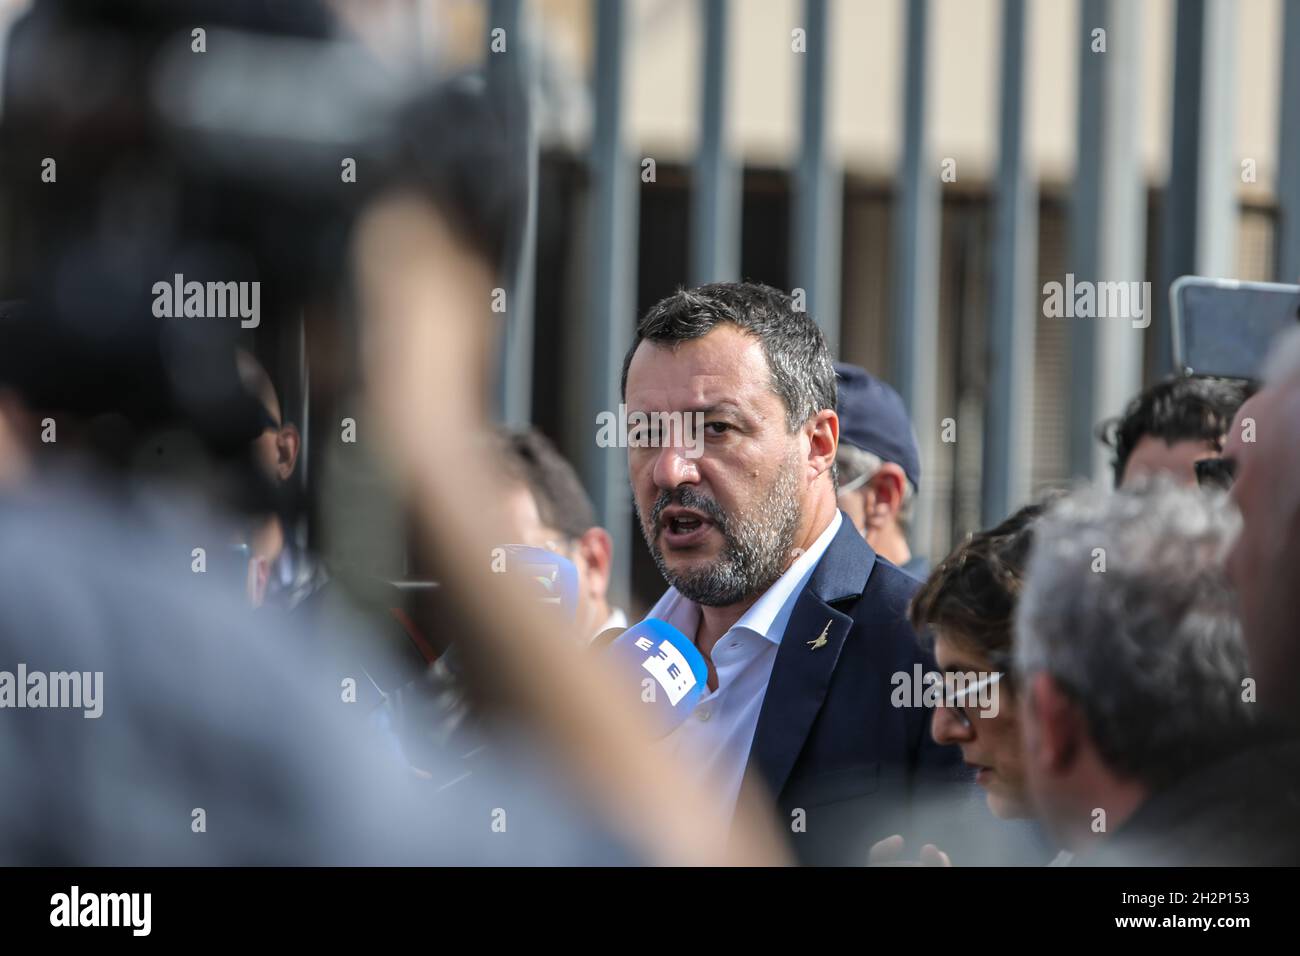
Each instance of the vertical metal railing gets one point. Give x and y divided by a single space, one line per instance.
1107 223
1198 221
815 251
512 71
611 302
1014 305
715 194
1287 265
915 333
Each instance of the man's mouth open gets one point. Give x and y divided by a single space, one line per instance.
683 528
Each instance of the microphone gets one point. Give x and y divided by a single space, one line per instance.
552 578
663 668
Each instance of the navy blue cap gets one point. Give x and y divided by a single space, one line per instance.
873 418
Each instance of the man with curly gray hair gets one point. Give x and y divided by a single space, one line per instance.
1138 714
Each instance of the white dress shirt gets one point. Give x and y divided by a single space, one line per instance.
715 740
617 618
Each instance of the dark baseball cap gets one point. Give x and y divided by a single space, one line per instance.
872 417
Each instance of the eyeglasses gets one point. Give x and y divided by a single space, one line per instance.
267 420
958 702
855 484
1215 472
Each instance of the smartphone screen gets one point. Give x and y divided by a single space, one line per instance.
1224 327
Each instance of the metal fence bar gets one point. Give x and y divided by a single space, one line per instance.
715 195
915 337
815 256
1287 266
1107 225
1198 221
1014 307
611 300
512 70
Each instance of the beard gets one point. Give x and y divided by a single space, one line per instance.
757 544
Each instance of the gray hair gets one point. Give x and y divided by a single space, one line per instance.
1127 605
802 374
853 464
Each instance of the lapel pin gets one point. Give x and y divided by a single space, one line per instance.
821 639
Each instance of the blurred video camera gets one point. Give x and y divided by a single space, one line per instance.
218 151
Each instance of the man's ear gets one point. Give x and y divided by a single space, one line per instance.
287 444
823 440
15 430
888 486
1055 724
596 550
259 575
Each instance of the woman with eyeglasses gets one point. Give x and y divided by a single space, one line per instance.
968 604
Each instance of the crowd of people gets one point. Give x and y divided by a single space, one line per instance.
1100 679
1131 637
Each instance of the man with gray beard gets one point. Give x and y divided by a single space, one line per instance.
802 628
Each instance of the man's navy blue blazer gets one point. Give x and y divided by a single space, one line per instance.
845 765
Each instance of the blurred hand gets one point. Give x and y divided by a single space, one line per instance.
889 852
427 340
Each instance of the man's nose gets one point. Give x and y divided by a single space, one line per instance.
947 728
673 467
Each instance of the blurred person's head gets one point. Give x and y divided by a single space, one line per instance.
1170 426
547 507
144 206
878 462
969 602
724 514
1264 445
275 451
278 443
1128 652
